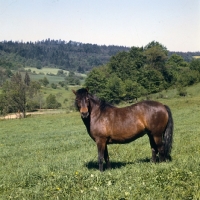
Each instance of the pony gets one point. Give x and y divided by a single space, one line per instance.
107 124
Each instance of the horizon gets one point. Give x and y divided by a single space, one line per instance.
34 42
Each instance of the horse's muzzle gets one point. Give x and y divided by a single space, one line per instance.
84 114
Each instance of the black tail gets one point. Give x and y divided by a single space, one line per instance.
168 135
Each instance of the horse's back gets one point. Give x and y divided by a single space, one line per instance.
145 113
154 115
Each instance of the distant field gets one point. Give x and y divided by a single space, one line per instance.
41 73
196 57
52 79
61 95
52 157
45 70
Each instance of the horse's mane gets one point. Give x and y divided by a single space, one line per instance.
101 102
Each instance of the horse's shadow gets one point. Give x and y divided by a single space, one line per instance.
115 165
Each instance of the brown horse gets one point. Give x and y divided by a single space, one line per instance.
107 124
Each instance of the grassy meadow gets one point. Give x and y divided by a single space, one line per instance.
44 70
52 157
196 57
65 97
50 73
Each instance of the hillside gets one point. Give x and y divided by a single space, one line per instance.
72 56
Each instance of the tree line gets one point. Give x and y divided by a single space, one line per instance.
142 71
71 56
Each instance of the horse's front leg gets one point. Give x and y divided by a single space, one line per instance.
101 145
106 157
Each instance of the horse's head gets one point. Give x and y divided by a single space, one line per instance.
82 102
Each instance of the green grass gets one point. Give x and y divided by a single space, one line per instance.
61 95
41 73
196 57
44 70
51 79
53 157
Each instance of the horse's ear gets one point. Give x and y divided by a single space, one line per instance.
74 92
87 89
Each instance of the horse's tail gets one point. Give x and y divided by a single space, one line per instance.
168 135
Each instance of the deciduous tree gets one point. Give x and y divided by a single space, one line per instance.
17 95
51 102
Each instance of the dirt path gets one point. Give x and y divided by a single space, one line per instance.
19 115
41 112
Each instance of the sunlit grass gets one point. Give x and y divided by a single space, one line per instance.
45 70
196 57
53 157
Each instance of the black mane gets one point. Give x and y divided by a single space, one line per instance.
102 103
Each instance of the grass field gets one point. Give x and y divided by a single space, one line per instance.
52 157
45 70
61 95
41 73
196 57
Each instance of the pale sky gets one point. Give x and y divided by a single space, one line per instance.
173 23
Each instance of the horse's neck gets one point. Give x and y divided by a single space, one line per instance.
94 110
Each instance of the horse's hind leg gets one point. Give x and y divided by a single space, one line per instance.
161 153
160 147
106 158
154 153
154 149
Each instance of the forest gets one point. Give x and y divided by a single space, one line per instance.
72 56
143 71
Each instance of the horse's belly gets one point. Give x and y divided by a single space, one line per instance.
124 138
121 132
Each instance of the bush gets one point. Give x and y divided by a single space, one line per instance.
53 85
182 91
62 83
32 105
51 102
